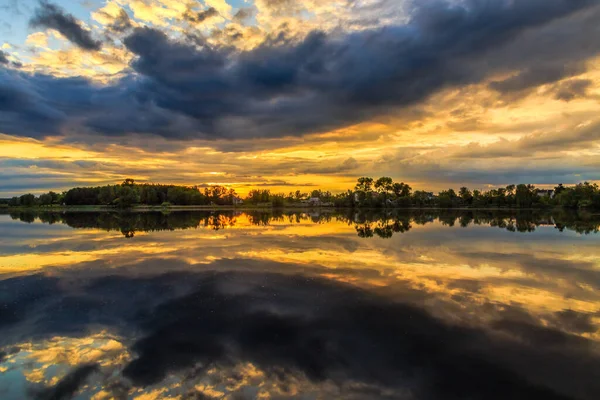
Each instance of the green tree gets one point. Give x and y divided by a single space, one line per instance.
364 184
524 195
27 200
466 196
152 197
128 196
510 195
478 199
559 189
259 196
278 200
447 198
421 198
401 189
384 184
107 195
45 199
384 187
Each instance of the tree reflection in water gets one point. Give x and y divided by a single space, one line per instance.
367 223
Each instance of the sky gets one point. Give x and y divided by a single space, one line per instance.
306 94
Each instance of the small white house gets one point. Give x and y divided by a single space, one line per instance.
237 201
544 193
314 201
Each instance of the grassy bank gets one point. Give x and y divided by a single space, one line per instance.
159 208
299 207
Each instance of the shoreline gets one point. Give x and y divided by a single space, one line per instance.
266 208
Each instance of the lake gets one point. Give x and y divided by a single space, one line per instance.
253 305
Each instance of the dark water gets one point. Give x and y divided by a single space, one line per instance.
195 305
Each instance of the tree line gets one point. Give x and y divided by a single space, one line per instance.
385 193
128 194
367 193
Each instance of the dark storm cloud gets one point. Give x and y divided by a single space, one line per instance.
286 88
70 384
3 58
573 321
540 335
323 330
572 89
536 76
51 16
39 105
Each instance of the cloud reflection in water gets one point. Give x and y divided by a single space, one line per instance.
243 306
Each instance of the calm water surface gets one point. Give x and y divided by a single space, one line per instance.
197 305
